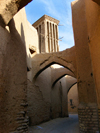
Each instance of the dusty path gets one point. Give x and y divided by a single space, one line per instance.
59 125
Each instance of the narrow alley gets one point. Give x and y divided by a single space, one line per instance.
60 125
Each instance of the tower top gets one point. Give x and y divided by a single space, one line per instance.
45 17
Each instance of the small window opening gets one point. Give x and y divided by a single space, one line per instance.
32 51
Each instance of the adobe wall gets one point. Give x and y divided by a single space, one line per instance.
13 81
13 68
17 87
9 8
64 97
73 100
15 41
93 27
28 34
39 99
59 101
46 103
40 96
85 16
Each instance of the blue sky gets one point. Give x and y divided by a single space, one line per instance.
58 9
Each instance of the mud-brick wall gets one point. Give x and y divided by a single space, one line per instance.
59 99
46 103
73 101
13 81
39 98
88 119
28 34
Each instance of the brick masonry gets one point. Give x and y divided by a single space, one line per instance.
99 118
22 119
88 119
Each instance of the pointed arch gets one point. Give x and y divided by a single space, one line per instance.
66 58
59 73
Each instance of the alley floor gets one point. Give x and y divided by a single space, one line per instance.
60 125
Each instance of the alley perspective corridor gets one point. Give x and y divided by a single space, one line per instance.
60 125
39 84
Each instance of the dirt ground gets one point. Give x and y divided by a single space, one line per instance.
60 125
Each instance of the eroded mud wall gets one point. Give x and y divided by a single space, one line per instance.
45 102
13 80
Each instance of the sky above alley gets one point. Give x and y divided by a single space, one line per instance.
58 9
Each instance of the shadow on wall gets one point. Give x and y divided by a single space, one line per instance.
13 78
22 33
28 57
23 39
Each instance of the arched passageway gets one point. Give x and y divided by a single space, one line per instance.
66 58
66 84
71 120
73 83
86 77
58 73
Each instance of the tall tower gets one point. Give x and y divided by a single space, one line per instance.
47 28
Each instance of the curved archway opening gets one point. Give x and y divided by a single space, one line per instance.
43 69
59 79
72 92
71 87
48 65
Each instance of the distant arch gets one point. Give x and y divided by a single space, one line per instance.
59 79
71 86
59 73
52 63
